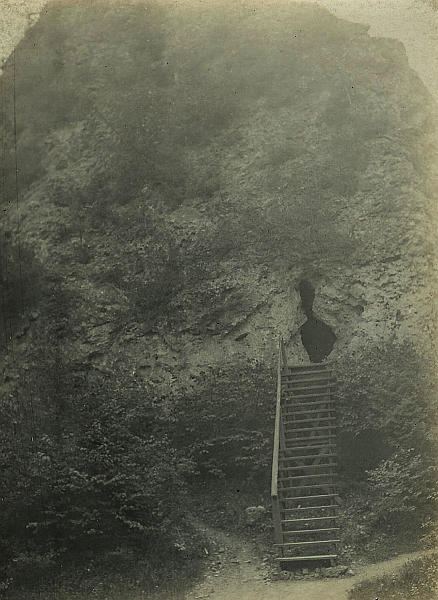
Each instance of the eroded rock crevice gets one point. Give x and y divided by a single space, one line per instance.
317 337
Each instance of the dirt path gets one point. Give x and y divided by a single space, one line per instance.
236 572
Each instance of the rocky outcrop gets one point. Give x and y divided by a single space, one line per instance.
182 171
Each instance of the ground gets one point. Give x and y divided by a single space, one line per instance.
236 571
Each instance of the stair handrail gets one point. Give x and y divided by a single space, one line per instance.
276 451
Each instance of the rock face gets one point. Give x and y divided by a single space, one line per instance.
182 171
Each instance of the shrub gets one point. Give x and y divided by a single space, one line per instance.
226 428
404 491
386 447
98 475
390 391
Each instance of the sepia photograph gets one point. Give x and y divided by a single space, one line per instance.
219 300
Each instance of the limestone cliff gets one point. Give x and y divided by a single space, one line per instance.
183 169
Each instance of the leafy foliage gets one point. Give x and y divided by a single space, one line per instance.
387 448
391 389
404 489
226 427
100 473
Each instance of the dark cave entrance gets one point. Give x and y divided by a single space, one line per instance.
317 337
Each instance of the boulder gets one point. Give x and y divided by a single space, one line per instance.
254 514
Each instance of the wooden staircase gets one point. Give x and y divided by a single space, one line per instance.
304 494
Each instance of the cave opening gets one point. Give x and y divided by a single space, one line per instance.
317 337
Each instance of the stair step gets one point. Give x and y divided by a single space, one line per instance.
286 544
328 438
316 557
305 369
313 428
301 531
284 459
296 477
313 465
289 387
310 507
291 411
311 383
306 487
303 416
307 404
298 396
310 411
317 380
302 467
290 427
307 375
313 497
311 420
307 519
308 448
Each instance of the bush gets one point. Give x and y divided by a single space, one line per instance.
226 428
387 451
404 491
98 475
390 391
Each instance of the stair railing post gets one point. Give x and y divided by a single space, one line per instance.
276 516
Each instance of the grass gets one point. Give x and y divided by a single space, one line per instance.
416 580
